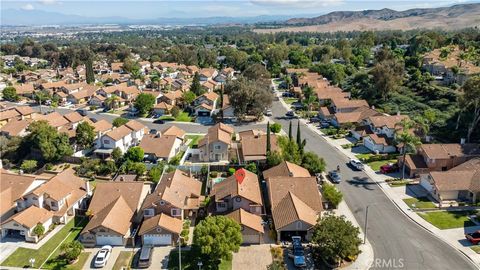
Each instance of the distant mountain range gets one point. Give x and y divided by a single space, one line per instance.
445 18
39 17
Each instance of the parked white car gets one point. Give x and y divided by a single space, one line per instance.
356 164
102 256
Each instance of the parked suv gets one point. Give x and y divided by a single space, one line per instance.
145 258
356 164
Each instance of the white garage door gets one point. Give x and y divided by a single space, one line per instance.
157 239
251 239
109 240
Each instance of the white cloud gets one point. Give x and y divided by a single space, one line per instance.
28 7
297 3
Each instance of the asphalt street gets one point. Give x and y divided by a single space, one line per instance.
397 241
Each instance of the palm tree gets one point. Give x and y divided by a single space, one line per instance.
407 139
155 78
111 102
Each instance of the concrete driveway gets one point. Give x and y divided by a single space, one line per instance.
160 257
252 257
111 260
6 249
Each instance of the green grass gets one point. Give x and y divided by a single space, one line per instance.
182 117
82 259
21 256
448 219
476 249
290 100
421 203
375 165
190 260
194 138
363 156
123 260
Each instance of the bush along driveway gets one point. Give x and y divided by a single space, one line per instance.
49 251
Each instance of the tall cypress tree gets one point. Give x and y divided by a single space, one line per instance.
290 137
89 71
268 137
299 136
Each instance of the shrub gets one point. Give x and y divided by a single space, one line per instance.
332 195
275 128
71 250
175 111
251 167
39 229
49 166
28 165
231 171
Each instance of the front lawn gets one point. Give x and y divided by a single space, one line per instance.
476 249
421 203
190 261
123 260
448 219
290 100
21 256
82 260
194 140
182 117
375 165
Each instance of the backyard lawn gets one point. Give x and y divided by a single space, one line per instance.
421 202
448 219
194 138
21 256
123 260
189 261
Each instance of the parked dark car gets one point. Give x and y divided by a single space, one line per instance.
389 168
159 121
474 237
335 176
145 258
82 112
290 114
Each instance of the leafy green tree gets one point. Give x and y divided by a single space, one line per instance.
332 195
175 111
119 121
144 103
196 87
407 140
188 97
335 238
106 167
85 135
71 250
471 98
90 75
156 172
39 230
134 154
139 168
290 150
313 163
46 139
117 155
290 136
275 127
217 237
274 158
10 94
387 76
251 167
111 102
248 97
256 72
28 166
299 137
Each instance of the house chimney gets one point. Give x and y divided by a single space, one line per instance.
462 141
87 188
121 178
398 113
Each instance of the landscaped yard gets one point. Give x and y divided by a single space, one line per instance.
189 261
21 256
79 265
448 219
182 117
194 140
476 249
375 165
290 100
421 202
123 260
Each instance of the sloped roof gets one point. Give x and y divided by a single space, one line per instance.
219 132
291 209
31 216
63 184
286 168
135 125
257 145
73 117
465 176
15 126
102 125
12 187
444 151
119 132
248 189
164 221
174 131
247 219
116 216
161 146
389 121
54 119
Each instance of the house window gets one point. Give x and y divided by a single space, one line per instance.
53 204
162 202
148 212
106 141
238 199
221 205
217 147
176 212
298 225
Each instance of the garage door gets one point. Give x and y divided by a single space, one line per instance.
200 113
109 240
251 239
157 239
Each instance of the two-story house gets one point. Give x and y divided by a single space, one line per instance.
438 157
253 145
176 197
123 137
205 104
216 143
114 212
160 147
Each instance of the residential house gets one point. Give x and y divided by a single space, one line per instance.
83 95
160 230
15 113
113 210
160 147
25 90
286 168
438 157
251 224
459 184
120 137
209 85
22 224
254 146
117 67
16 127
296 205
206 74
174 131
205 104
101 127
138 130
227 109
216 143
162 108
172 97
54 119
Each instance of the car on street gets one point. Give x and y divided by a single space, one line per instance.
473 237
159 121
106 109
82 112
290 114
356 164
102 256
268 112
335 176
287 94
389 168
145 258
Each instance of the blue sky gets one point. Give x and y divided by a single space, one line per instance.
199 8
